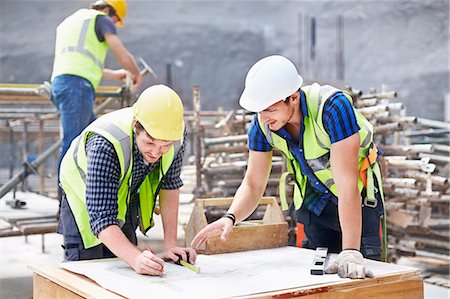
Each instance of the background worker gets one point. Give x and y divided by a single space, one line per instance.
111 176
326 143
82 41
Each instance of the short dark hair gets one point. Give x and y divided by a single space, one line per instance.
286 99
139 127
101 5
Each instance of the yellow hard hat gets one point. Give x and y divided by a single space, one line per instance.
120 6
160 111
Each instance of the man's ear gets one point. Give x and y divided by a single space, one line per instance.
134 126
295 97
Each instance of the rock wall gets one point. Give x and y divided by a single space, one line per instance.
403 44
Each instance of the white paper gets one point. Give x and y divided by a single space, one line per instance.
221 275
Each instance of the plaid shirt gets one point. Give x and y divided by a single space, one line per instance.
339 121
102 179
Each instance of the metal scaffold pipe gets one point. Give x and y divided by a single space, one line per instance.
32 167
124 93
29 168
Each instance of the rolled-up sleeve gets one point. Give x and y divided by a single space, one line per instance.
339 118
257 141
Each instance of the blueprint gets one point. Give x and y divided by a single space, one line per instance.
221 275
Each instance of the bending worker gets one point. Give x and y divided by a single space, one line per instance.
330 157
82 41
111 176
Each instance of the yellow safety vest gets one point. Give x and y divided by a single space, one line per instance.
78 50
117 128
317 153
317 149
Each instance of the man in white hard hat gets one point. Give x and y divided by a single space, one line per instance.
111 176
82 42
330 157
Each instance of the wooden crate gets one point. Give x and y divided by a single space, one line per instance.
270 232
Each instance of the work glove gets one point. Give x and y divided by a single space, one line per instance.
349 264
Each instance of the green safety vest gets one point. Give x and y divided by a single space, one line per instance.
117 128
317 152
318 144
78 50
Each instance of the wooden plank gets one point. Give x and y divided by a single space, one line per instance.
396 286
42 228
208 202
270 232
273 215
51 280
44 288
196 222
431 261
253 237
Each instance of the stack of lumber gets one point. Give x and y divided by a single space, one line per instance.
415 165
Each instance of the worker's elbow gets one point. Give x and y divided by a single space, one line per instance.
255 187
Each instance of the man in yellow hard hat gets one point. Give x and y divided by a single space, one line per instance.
331 159
82 41
111 176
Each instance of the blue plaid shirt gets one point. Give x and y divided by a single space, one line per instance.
339 121
102 179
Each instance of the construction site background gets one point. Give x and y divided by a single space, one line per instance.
399 47
403 44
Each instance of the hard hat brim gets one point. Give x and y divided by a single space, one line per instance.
254 104
166 135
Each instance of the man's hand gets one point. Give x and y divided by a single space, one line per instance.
173 253
349 264
148 263
137 80
115 75
220 227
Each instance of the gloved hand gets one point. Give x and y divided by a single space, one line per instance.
349 264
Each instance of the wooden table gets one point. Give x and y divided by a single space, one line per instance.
55 282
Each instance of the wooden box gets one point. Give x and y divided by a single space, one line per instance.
269 232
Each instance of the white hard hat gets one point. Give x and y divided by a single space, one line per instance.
268 81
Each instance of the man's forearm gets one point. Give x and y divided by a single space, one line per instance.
245 201
169 200
128 62
124 57
116 241
253 185
350 219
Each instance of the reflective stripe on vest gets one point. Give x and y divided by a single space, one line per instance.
78 50
317 151
74 165
80 45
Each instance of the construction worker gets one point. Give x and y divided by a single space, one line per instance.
327 145
82 41
111 176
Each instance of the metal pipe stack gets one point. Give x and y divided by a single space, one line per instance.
416 165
